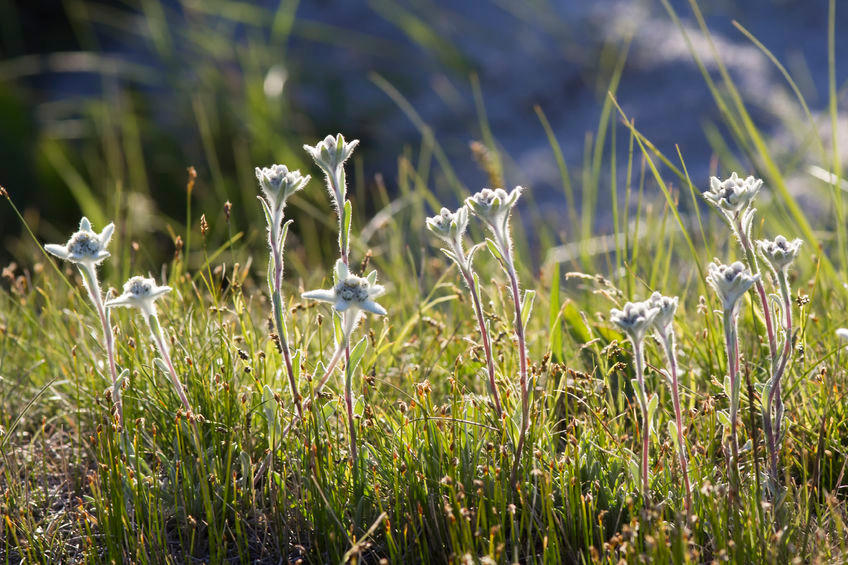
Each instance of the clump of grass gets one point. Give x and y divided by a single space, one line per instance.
404 463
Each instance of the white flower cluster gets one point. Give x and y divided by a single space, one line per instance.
140 293
730 282
85 247
779 253
278 183
351 292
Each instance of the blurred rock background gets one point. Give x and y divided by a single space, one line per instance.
104 104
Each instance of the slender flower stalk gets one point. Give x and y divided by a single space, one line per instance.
141 293
278 184
330 155
664 331
450 228
494 207
636 319
350 296
87 249
731 282
779 254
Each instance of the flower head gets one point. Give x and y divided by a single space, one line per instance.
494 206
85 246
730 282
278 183
140 293
666 306
449 226
635 319
331 152
351 292
734 194
779 253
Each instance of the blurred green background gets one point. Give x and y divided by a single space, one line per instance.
104 104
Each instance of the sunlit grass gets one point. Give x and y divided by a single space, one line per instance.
433 478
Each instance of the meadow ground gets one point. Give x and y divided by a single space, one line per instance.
240 478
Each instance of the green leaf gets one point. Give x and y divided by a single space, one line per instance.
356 354
268 214
344 234
672 431
493 249
296 367
160 364
574 323
633 467
723 418
653 402
527 306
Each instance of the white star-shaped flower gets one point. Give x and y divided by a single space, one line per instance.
730 282
141 293
85 247
449 226
779 253
733 194
331 152
494 206
635 319
278 183
666 306
351 292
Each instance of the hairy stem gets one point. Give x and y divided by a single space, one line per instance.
484 333
349 404
642 394
89 275
751 257
668 344
509 267
732 345
774 401
164 351
277 306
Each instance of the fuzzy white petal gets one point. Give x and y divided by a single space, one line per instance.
373 307
60 251
322 295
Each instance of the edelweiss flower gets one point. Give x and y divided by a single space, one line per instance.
635 319
730 282
449 226
140 293
666 306
351 292
85 247
494 206
780 253
734 194
331 152
278 184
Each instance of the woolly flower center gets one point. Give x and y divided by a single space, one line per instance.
444 219
140 288
276 175
82 244
353 289
485 197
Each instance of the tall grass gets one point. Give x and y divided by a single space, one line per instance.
435 460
